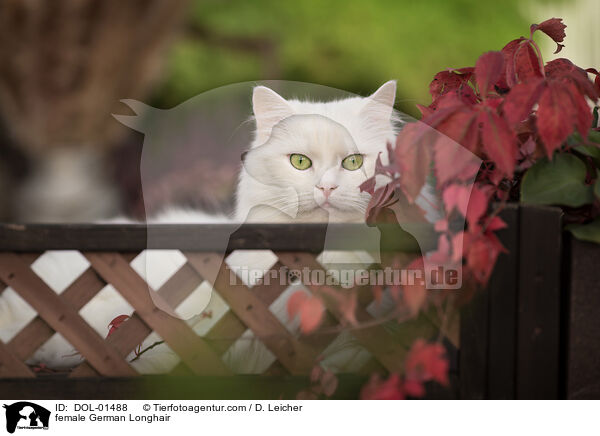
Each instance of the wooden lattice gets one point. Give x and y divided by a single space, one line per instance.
109 250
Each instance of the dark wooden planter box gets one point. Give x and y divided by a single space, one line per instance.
583 311
532 334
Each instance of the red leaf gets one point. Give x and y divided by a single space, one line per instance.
557 114
442 254
310 309
414 158
596 80
488 70
427 362
499 142
554 28
583 113
527 63
116 323
424 110
456 196
453 162
565 70
378 389
368 186
295 302
458 246
441 225
496 223
520 100
478 204
414 388
461 127
380 199
415 294
311 314
509 62
450 80
481 255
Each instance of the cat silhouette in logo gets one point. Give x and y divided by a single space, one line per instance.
31 413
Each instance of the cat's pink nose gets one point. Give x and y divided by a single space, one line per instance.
327 189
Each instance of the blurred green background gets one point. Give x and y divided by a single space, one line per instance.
65 66
353 45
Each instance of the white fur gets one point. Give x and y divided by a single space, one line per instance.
272 190
269 190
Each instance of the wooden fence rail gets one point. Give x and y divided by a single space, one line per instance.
517 318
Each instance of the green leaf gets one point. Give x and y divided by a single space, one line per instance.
594 136
586 232
560 181
574 139
592 151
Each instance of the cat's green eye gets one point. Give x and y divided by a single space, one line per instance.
353 162
300 161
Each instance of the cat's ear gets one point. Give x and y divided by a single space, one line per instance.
269 108
380 104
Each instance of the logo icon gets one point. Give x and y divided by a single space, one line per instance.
26 415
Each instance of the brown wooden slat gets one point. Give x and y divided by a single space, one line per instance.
135 330
268 292
37 332
201 237
12 366
180 285
295 356
192 349
61 317
129 255
229 328
29 258
225 332
375 339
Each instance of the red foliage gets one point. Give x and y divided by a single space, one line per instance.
554 28
486 125
508 110
309 308
116 323
424 363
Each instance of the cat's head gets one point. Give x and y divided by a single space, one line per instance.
308 159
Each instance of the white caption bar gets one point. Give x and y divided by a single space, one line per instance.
150 417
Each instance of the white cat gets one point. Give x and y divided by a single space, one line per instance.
305 164
323 134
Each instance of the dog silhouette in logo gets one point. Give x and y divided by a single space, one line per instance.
27 414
